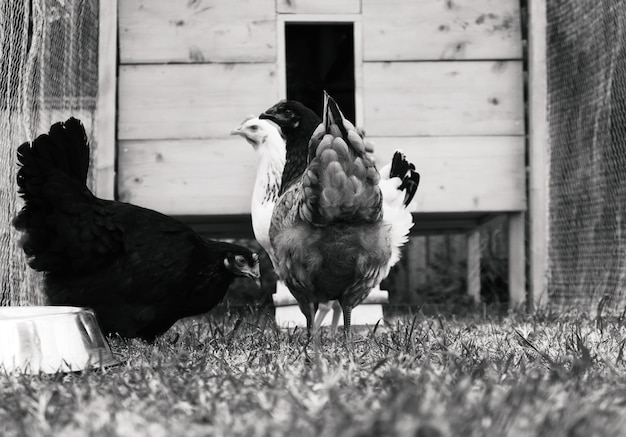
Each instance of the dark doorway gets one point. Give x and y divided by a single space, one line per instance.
320 56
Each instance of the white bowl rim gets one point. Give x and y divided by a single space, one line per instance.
38 311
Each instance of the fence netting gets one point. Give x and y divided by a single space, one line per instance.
48 72
587 184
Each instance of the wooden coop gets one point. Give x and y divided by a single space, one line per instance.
444 80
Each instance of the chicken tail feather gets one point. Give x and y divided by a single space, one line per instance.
63 150
405 170
399 182
333 116
342 181
51 180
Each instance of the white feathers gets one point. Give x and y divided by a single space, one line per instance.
269 145
395 214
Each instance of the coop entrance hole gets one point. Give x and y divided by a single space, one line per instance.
320 56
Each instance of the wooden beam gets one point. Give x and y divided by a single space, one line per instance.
444 98
410 30
318 6
359 103
538 146
462 174
240 226
473 264
416 263
191 100
517 260
104 128
186 177
163 31
216 175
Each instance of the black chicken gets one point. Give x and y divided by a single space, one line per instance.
297 123
138 269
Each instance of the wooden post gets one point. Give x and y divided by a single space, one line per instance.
517 265
416 266
538 146
104 128
418 260
473 264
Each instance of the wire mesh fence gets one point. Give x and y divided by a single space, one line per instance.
587 121
48 72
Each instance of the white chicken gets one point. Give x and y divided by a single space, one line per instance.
266 139
264 136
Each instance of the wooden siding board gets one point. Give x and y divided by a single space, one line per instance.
463 174
191 101
181 177
216 176
162 31
443 98
318 6
435 29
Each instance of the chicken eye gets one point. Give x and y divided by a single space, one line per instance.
288 113
254 127
239 259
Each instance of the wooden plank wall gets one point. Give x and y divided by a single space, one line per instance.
460 98
441 79
470 173
191 71
196 31
165 101
410 30
448 75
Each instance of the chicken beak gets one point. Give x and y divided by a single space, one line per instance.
272 115
267 115
236 131
255 274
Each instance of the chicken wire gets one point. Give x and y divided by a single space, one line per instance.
587 120
48 72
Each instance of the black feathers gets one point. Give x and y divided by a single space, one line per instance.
138 269
405 170
64 149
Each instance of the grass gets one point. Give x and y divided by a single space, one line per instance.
422 376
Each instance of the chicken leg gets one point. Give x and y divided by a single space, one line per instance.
321 313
